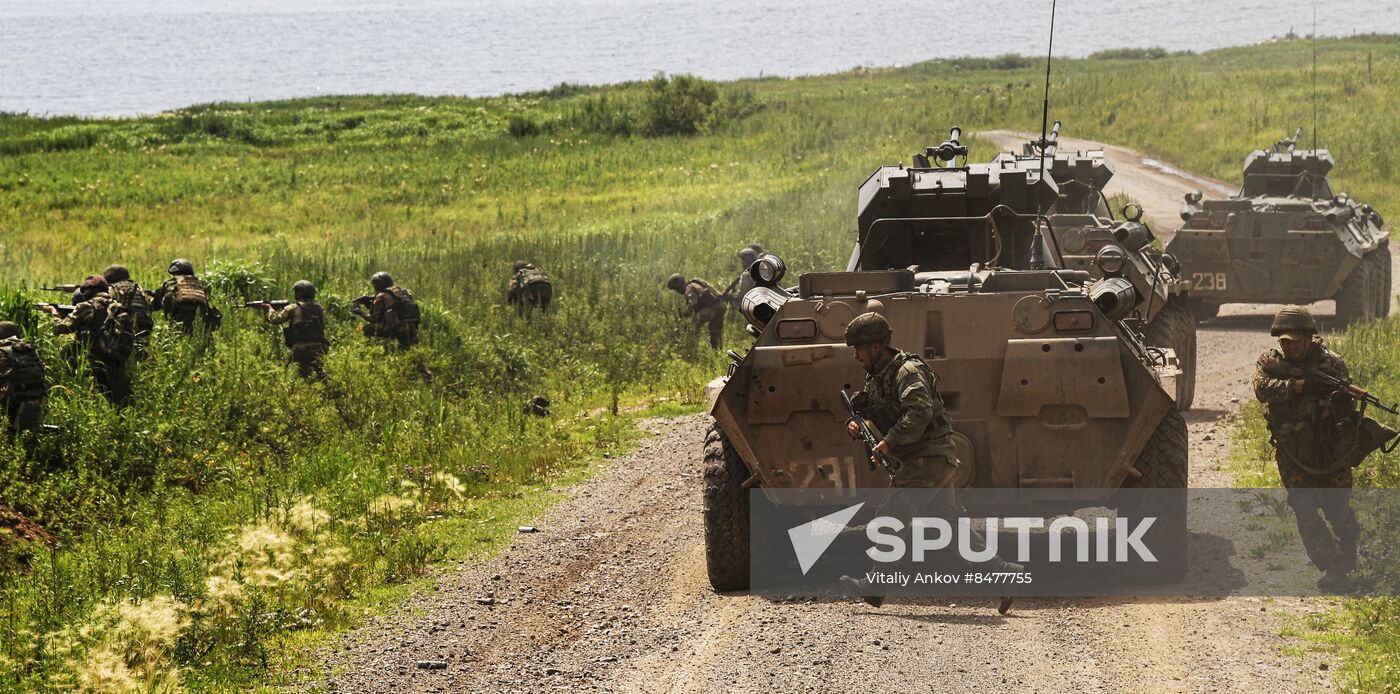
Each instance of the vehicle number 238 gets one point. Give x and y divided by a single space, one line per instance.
1208 281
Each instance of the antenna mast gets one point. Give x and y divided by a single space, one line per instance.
1314 77
1037 254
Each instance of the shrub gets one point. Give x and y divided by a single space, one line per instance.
680 105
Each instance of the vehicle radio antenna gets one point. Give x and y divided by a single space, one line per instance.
1037 254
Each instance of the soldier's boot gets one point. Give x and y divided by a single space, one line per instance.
1003 566
860 587
1335 580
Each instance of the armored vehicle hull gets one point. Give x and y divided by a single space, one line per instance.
1084 226
1285 238
1045 381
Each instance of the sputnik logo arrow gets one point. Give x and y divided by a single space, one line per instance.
811 540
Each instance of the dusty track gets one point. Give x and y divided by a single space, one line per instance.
611 593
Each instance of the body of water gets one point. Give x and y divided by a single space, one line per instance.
113 57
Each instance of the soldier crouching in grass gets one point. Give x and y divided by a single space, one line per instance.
900 397
1299 408
704 305
305 331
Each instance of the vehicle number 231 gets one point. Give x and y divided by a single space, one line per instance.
1208 281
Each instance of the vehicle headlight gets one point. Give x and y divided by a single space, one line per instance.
1111 260
767 271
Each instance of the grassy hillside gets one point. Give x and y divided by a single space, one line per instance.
235 510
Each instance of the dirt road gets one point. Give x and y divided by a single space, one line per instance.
611 594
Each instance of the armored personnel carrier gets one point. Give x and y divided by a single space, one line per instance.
1046 382
1285 238
1083 226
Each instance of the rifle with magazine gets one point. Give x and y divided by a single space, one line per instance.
60 310
867 437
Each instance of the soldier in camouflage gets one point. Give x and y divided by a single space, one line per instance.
703 305
529 288
105 330
1298 410
305 333
185 298
23 387
137 301
393 313
744 281
900 399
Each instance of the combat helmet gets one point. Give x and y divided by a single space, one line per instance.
867 328
116 273
304 290
521 265
1292 320
747 256
381 281
180 266
8 329
676 282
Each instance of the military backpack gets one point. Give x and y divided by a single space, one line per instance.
21 372
134 302
405 309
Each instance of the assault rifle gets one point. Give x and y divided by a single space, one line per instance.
279 303
867 437
61 309
361 305
1355 392
69 288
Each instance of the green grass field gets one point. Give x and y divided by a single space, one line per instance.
235 513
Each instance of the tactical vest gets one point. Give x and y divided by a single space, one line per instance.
117 335
881 402
21 372
134 302
308 324
405 309
188 291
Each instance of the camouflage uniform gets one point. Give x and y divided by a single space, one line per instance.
22 384
1296 421
901 399
185 299
705 307
85 323
394 314
305 334
529 289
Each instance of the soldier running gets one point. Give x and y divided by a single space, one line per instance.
900 398
703 305
1298 410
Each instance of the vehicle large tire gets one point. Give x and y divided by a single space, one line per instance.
1354 302
1164 461
1175 327
1164 464
1380 281
726 514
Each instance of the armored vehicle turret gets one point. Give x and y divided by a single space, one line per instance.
1084 226
1045 379
1286 237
